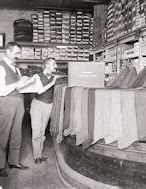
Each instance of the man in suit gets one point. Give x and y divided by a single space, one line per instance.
41 107
11 109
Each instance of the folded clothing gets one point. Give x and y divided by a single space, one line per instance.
23 30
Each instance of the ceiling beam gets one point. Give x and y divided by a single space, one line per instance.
96 1
59 4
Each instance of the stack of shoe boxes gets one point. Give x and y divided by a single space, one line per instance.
70 53
73 28
34 19
40 27
125 16
28 53
38 53
53 27
50 52
56 26
44 53
91 30
79 26
128 17
86 54
110 21
65 27
142 12
138 16
85 29
59 26
75 53
119 19
100 19
62 54
46 26
130 50
80 54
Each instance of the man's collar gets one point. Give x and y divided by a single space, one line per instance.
46 73
8 61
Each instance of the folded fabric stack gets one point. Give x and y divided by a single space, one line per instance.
124 79
23 30
139 80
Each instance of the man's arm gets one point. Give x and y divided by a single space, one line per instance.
46 87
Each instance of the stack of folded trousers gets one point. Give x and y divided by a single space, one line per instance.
23 30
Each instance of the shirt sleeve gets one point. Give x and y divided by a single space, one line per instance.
5 89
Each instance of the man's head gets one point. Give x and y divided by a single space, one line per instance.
49 65
13 51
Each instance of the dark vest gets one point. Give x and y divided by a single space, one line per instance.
11 77
47 96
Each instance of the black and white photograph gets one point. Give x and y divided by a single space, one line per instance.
72 94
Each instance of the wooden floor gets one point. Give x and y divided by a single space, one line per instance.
43 176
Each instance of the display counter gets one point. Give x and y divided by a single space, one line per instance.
101 130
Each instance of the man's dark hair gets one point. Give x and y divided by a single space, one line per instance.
43 66
10 45
48 59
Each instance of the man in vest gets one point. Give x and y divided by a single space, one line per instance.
11 109
41 107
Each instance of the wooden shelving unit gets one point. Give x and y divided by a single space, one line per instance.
136 43
39 44
125 25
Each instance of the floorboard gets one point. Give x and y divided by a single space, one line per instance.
42 176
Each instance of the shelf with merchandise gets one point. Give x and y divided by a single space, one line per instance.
58 45
37 61
131 46
36 52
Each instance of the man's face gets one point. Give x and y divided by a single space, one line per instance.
14 54
51 66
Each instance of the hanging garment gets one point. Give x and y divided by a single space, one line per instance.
129 125
124 78
72 107
55 113
140 105
102 119
139 80
59 137
77 116
129 77
67 105
91 114
117 81
115 117
82 135
106 112
98 121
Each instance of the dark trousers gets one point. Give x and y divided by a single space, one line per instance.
11 117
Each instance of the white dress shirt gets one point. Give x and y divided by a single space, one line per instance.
7 89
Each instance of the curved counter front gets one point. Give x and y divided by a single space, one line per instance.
104 166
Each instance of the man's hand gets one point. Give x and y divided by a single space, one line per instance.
21 81
57 76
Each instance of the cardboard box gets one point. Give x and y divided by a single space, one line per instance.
86 74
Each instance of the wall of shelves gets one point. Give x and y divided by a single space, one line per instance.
58 26
62 52
125 36
65 35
